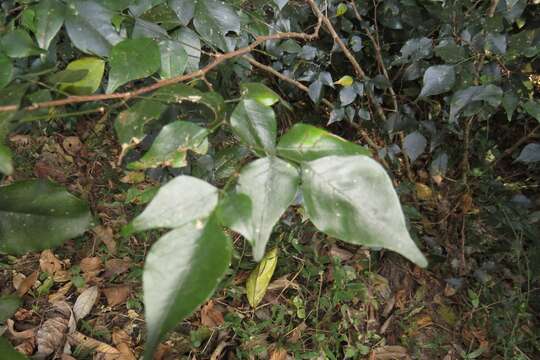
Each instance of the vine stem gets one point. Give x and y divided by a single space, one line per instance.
218 59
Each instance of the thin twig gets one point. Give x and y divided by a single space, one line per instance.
218 59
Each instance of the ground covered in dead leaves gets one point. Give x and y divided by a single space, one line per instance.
327 300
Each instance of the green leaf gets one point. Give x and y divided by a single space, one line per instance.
37 215
352 199
414 50
530 153
184 9
341 9
6 165
306 142
6 70
133 59
88 85
89 26
234 209
255 124
173 58
18 44
8 305
490 94
414 145
213 20
182 200
171 145
259 92
437 80
510 102
271 184
192 44
49 20
130 124
260 277
182 270
532 108
8 352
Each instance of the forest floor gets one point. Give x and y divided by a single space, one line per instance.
327 299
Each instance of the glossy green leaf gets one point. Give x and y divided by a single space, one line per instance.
192 44
182 270
233 208
437 80
271 184
414 145
133 59
510 102
130 124
414 50
213 20
88 85
255 124
352 199
184 9
182 200
8 352
306 142
49 20
37 215
89 26
260 277
173 58
18 44
490 94
172 144
530 153
6 70
8 305
6 161
532 108
259 92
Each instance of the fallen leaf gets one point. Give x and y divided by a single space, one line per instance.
390 352
423 192
49 263
50 337
85 342
115 267
27 283
67 357
23 314
61 276
283 283
90 264
116 295
162 351
61 293
296 333
85 302
19 335
17 280
105 235
340 253
72 145
27 347
279 354
122 341
259 279
45 170
210 316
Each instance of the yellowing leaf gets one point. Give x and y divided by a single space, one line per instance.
341 9
423 192
345 81
90 82
260 277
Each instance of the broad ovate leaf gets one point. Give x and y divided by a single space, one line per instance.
260 277
490 94
352 199
182 200
89 26
173 58
213 20
88 85
182 270
259 92
192 44
255 124
172 144
6 70
8 305
18 44
532 108
414 145
133 59
37 215
49 20
306 143
271 184
233 209
184 10
6 161
530 153
437 80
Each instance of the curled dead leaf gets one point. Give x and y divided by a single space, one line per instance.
19 335
105 235
27 347
122 341
90 264
85 302
423 192
61 276
61 293
116 295
115 267
72 145
279 354
27 283
51 335
85 342
342 254
210 316
49 263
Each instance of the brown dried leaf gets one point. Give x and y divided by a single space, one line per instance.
51 336
27 347
210 316
123 343
340 253
61 276
17 280
105 235
23 314
116 267
162 351
116 295
296 334
72 145
45 170
19 335
60 294
67 357
85 302
283 283
391 352
90 264
279 354
78 339
27 283
49 263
